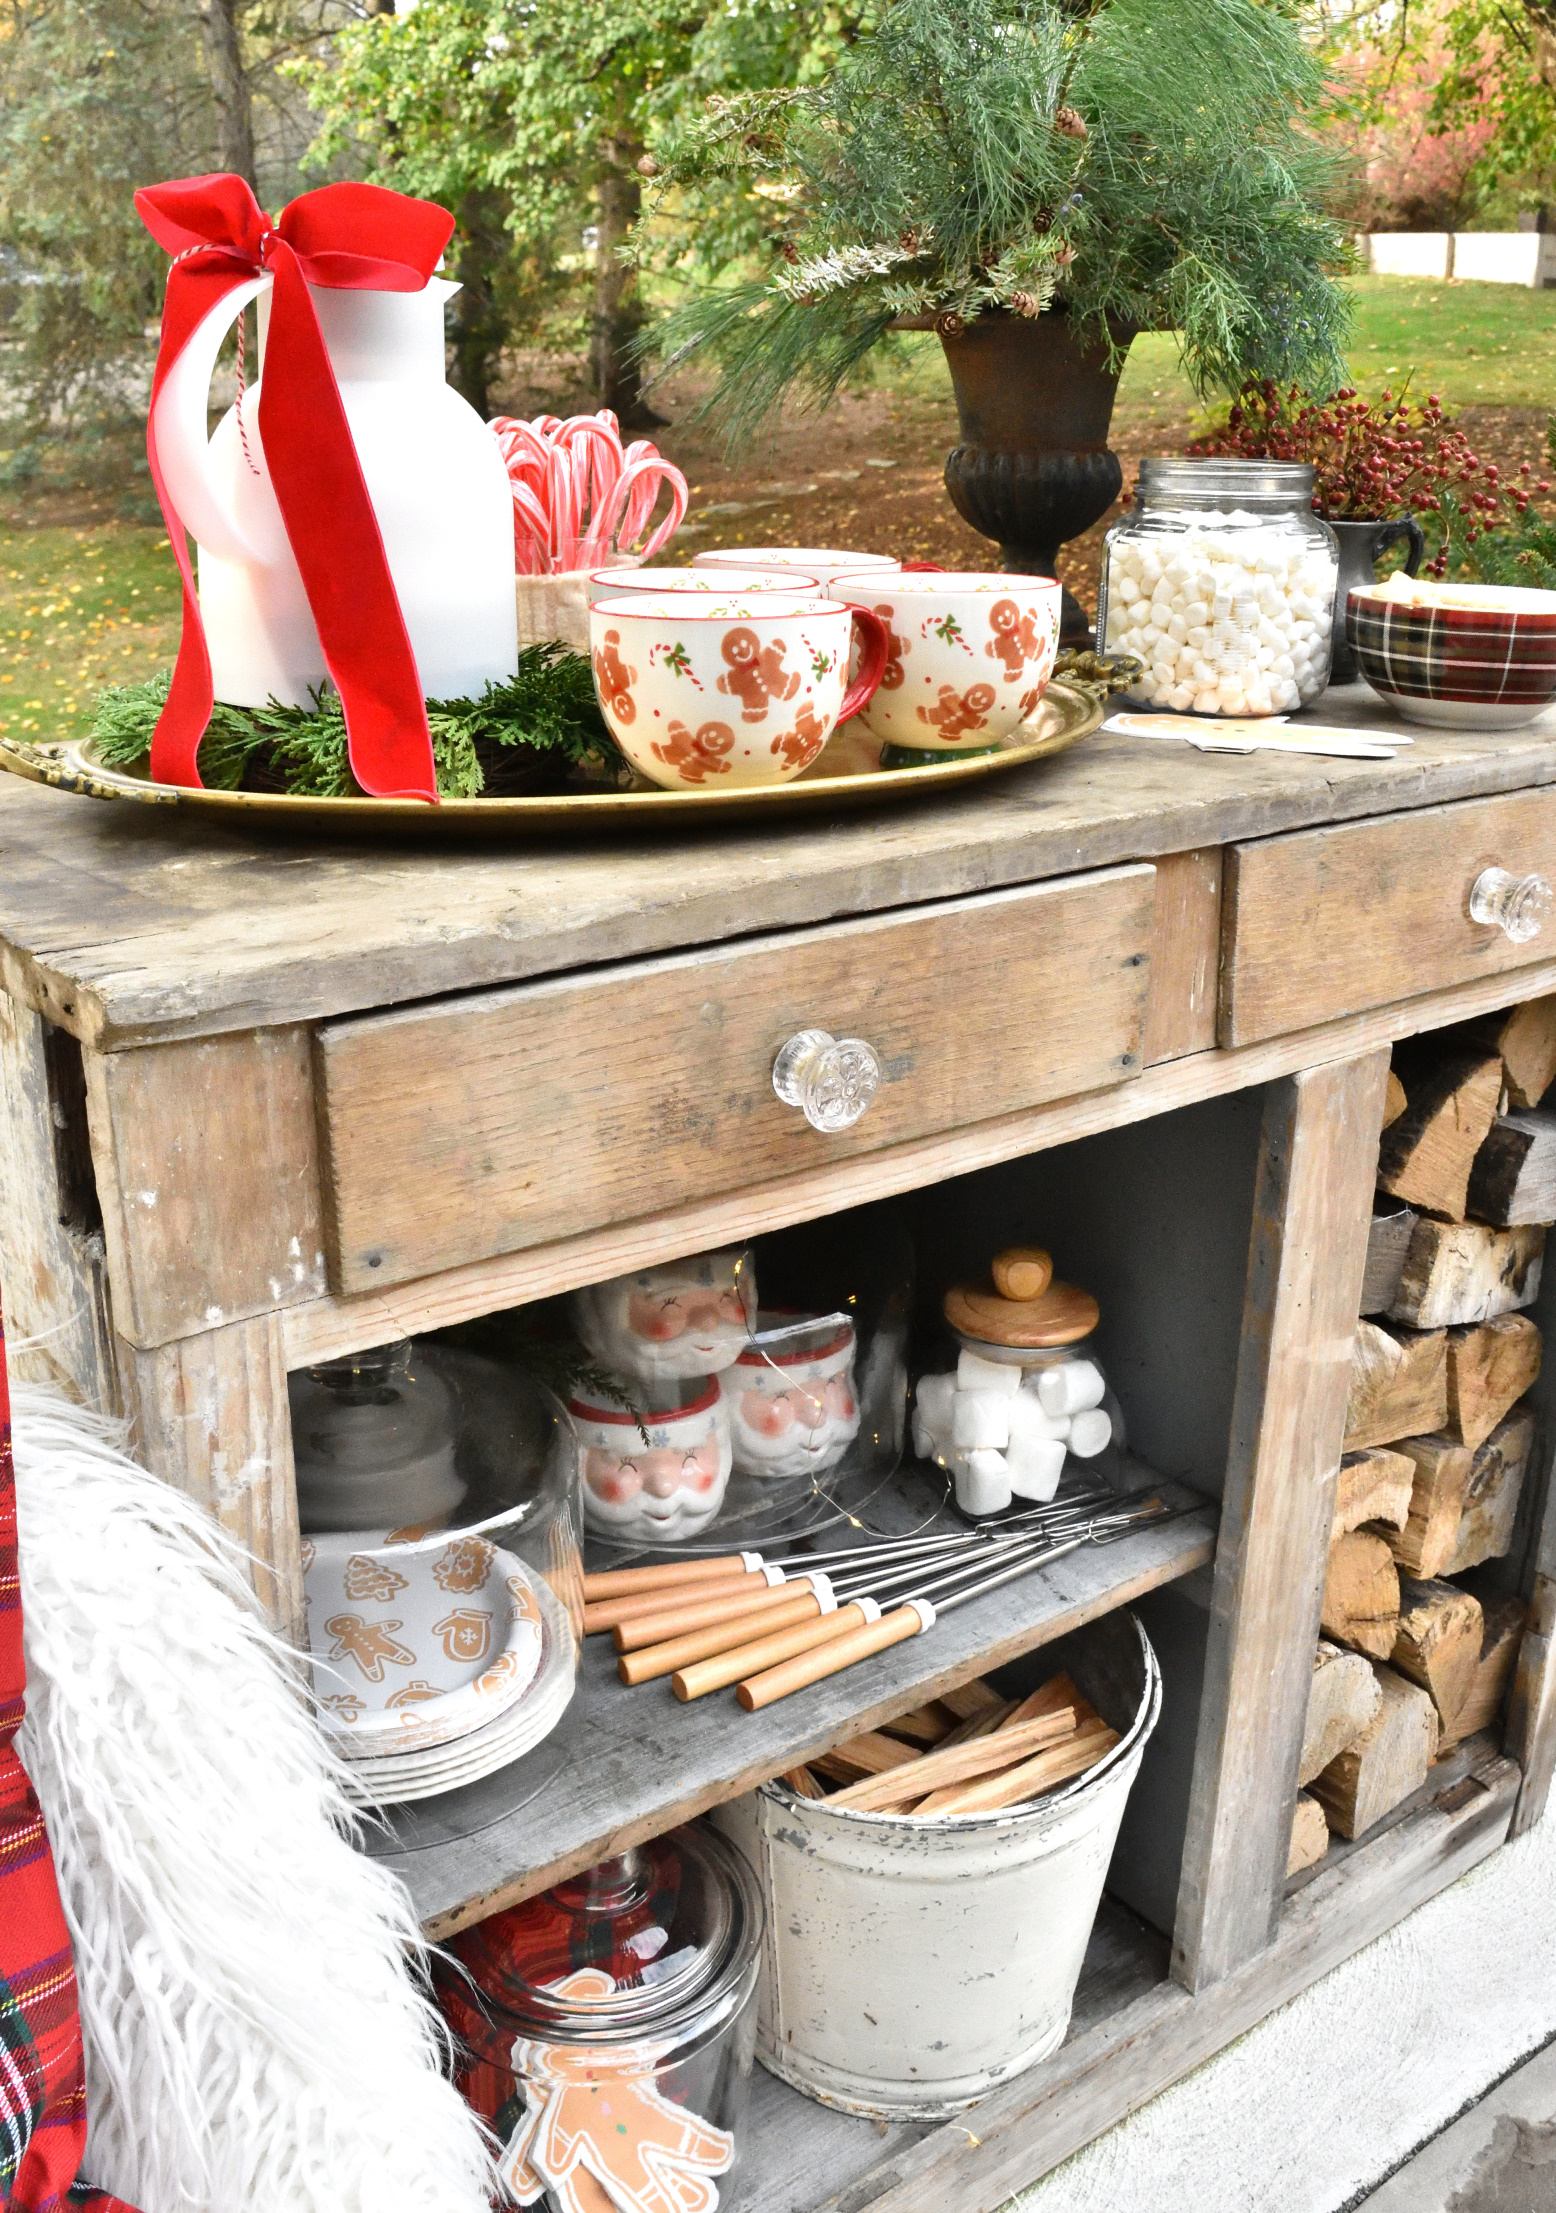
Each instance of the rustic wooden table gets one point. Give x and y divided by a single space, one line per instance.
261 1104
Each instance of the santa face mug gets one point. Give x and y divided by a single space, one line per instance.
793 1409
654 1475
969 656
686 1318
731 693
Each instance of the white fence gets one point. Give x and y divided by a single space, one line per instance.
1491 257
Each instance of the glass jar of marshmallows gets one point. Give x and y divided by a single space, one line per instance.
1221 580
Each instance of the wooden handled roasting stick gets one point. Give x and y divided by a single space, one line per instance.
853 1609
613 1594
941 1594
706 1620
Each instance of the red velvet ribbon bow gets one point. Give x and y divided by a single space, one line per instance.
346 237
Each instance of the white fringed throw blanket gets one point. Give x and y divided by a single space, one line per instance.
254 2040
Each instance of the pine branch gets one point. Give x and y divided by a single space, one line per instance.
547 710
1142 164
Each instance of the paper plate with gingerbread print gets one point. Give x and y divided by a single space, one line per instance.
416 1648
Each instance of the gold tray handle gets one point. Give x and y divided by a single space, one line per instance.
42 764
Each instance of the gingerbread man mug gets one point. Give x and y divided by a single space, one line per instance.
733 690
969 655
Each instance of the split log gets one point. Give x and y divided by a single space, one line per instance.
1388 1241
1394 1100
1513 1181
870 1754
1525 1040
1490 1509
1502 1628
1390 1759
1490 1366
801 1780
1457 1272
1341 1704
1425 1155
1399 1385
1361 1594
1430 1536
1092 1741
1309 1835
1438 1645
953 1765
1373 1486
925 1725
970 1699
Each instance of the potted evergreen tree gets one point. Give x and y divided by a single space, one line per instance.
1036 181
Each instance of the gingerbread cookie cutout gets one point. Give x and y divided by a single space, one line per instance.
598 2133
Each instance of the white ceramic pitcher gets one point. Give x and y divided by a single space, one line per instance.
434 474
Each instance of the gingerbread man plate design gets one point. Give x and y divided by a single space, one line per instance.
416 1648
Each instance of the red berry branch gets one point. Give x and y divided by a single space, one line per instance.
1373 459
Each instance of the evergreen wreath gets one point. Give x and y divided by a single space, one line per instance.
1137 164
542 727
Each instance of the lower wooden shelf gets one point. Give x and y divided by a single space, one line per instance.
623 1765
1134 2031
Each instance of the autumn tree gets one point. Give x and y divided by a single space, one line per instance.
533 123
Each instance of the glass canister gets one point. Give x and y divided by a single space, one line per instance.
441 1525
606 2029
1221 581
1027 1400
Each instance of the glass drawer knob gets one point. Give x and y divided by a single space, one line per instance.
1519 906
830 1079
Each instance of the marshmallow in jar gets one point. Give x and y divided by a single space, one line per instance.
793 1408
654 1471
1221 581
1025 1395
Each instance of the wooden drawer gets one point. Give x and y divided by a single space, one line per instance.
479 1126
1329 922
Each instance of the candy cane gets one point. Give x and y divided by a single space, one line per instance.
636 498
577 495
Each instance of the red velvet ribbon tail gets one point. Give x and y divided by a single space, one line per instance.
175 744
339 548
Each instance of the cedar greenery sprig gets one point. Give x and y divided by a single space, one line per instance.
1138 164
548 708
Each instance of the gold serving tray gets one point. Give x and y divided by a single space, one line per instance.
847 774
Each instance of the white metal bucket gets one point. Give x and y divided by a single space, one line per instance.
910 1966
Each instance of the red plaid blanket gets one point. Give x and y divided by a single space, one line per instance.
42 2079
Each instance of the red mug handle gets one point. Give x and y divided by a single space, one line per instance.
874 653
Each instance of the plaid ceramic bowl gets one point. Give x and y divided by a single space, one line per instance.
1488 662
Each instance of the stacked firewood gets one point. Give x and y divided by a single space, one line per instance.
969 1751
1419 1643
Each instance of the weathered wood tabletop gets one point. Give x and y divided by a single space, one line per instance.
131 924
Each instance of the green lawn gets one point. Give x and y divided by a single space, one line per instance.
1473 344
80 608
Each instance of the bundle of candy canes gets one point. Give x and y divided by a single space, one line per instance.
579 497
